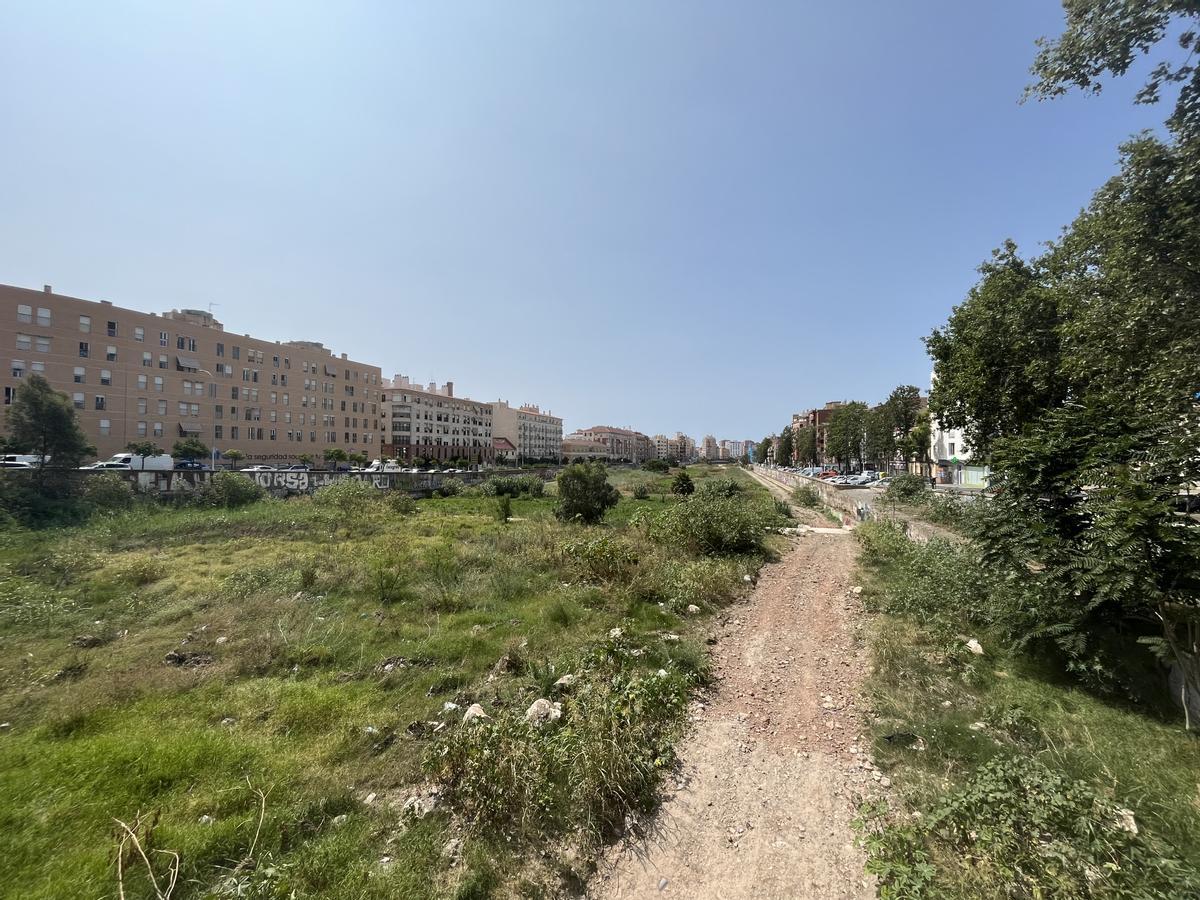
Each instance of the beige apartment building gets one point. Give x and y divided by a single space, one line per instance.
136 376
431 423
576 447
535 435
621 443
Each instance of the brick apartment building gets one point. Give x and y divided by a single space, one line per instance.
431 423
622 444
161 377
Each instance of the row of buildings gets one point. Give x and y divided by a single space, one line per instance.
161 377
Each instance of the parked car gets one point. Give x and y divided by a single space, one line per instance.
161 463
299 467
23 460
259 468
14 464
192 464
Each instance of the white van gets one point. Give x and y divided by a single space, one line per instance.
378 465
20 461
161 463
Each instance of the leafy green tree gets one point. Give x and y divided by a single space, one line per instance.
879 442
682 484
335 455
584 494
144 449
42 421
190 448
1107 36
784 448
305 458
235 456
847 435
805 441
1083 383
763 447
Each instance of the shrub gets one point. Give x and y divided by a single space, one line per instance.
513 486
138 569
1036 832
682 485
656 465
347 497
601 761
601 558
714 526
719 487
906 488
584 493
451 487
401 503
883 540
229 490
503 508
641 492
807 496
107 492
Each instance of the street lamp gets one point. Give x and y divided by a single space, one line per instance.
213 448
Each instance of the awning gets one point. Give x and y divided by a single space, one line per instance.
187 362
190 428
331 370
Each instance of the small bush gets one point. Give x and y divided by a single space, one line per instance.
584 494
503 508
682 485
138 569
883 540
714 526
451 487
348 497
719 487
229 490
601 558
641 492
1036 832
513 486
656 465
807 496
400 503
906 488
107 492
783 509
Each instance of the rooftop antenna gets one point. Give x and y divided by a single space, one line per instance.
211 304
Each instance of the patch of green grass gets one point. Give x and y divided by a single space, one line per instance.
954 726
172 662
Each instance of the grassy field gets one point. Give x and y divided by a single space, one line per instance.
1012 779
260 691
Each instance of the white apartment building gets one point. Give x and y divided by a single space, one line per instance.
535 434
431 423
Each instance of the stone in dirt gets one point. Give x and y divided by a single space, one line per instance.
565 682
474 713
975 647
86 641
542 711
391 664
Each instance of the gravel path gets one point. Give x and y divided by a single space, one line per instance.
775 764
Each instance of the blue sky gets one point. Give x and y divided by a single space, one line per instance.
667 215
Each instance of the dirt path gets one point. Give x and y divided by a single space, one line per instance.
775 764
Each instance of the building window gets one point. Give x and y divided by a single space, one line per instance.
158 429
162 362
9 393
141 406
24 313
158 383
80 375
110 353
38 366
18 368
141 382
83 349
99 401
952 448
219 432
105 425
139 334
111 328
162 407
147 359
24 342
77 399
237 352
191 344
43 344
220 349
105 376
85 324
233 432
179 342
141 428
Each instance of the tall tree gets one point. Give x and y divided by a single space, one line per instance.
996 361
189 448
783 449
879 444
847 433
42 421
1105 37
805 442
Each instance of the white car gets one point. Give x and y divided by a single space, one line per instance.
259 469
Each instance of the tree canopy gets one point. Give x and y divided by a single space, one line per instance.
42 421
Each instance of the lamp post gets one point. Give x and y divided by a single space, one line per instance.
213 448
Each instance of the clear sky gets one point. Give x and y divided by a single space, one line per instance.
665 215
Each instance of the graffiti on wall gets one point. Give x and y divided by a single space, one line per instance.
305 482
